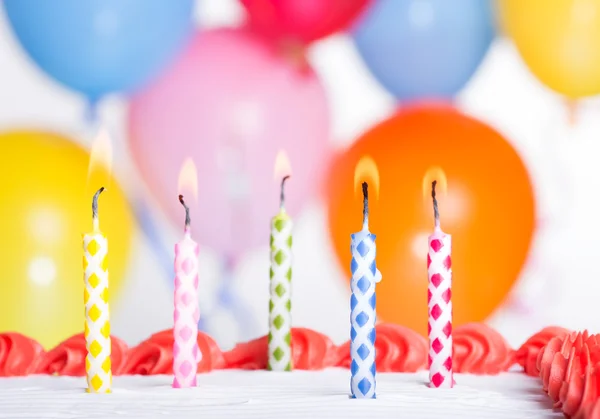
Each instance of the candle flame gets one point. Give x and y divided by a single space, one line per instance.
441 188
366 171
100 166
282 166
188 179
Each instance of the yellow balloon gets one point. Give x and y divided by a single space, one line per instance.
45 206
559 41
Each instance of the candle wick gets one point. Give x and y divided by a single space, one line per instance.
282 193
365 188
187 212
95 206
436 212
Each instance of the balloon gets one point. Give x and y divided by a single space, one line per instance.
489 210
231 104
559 41
101 46
424 48
44 209
301 21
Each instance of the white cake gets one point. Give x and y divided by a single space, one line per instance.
264 394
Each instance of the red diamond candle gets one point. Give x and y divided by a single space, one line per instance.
186 355
439 298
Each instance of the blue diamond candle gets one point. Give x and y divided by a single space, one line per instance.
362 306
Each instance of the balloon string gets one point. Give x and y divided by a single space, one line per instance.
91 111
226 294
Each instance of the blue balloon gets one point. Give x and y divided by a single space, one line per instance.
424 48
101 46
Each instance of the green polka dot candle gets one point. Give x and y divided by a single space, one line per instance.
280 304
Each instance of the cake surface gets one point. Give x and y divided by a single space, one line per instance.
287 395
555 372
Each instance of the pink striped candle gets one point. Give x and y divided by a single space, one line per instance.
186 354
439 298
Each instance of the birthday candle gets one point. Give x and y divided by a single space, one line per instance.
186 355
280 304
95 298
439 297
362 305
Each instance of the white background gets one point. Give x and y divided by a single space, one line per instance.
560 285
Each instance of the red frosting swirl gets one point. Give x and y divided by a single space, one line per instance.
68 358
546 357
593 345
19 355
155 355
580 389
310 351
152 356
569 367
479 349
397 349
560 360
564 360
527 354
590 410
250 355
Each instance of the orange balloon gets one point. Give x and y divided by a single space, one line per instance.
488 209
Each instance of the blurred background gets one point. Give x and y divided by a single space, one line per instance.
500 96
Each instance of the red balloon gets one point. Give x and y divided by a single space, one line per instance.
301 21
488 209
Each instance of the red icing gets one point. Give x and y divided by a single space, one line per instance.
546 358
397 349
590 410
569 366
19 355
152 356
568 363
560 360
248 355
581 389
310 351
527 354
479 349
155 355
68 358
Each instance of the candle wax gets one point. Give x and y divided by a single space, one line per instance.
363 314
439 297
280 304
186 315
97 320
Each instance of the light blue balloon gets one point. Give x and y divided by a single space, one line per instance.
424 48
101 46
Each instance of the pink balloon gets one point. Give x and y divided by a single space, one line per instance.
230 103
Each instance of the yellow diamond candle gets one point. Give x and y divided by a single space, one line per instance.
95 298
95 292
